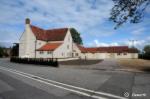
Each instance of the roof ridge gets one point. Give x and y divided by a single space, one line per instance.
48 29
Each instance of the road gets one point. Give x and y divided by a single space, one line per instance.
21 81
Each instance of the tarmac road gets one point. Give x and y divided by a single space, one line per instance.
21 81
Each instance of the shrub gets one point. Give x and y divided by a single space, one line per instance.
144 56
37 61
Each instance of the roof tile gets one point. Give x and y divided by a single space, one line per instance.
49 35
49 47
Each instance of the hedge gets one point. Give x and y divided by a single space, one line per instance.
37 61
144 56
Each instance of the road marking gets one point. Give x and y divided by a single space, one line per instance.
74 89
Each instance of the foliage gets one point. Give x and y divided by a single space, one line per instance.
128 10
76 36
147 49
37 61
15 50
1 52
146 53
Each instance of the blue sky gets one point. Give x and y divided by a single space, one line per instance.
89 17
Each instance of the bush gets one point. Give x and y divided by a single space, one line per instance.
37 61
144 56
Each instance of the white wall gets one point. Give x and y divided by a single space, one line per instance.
110 55
27 43
128 55
44 54
76 51
40 43
96 55
65 50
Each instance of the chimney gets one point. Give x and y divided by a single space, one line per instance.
27 21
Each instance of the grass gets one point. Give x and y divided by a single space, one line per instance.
137 64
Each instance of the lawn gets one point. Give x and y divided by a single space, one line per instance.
137 64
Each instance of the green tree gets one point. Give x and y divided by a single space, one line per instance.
76 36
15 50
147 49
1 52
128 10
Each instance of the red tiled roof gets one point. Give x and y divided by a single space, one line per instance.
49 47
49 35
82 48
114 49
133 50
111 49
92 49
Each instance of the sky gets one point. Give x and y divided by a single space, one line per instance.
89 17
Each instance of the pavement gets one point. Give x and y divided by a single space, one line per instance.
24 81
107 64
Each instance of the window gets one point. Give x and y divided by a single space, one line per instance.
41 52
124 53
118 53
49 52
76 54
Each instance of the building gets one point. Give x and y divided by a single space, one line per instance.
39 43
36 42
106 52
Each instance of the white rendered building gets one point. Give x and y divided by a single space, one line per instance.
36 42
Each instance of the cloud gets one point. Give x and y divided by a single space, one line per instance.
80 14
89 17
96 43
138 44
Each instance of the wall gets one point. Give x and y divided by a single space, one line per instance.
96 55
44 54
109 55
129 55
76 51
27 43
65 50
40 43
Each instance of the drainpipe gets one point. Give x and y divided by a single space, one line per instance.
52 55
35 47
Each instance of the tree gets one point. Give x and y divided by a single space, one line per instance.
128 10
146 52
15 50
76 36
1 52
147 49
